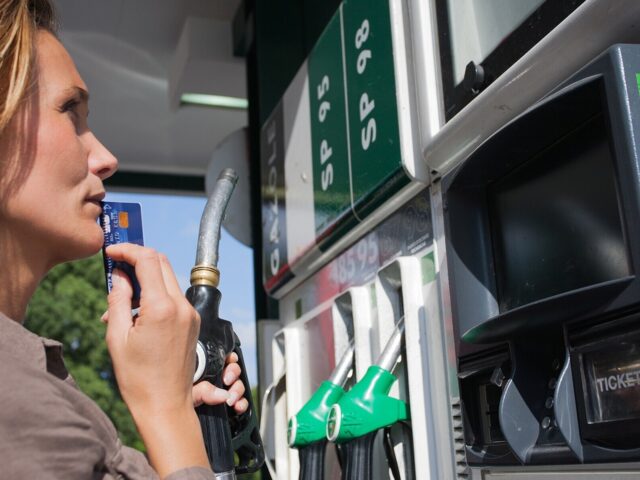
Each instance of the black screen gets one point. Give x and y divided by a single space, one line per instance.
555 220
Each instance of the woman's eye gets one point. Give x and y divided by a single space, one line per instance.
77 111
70 107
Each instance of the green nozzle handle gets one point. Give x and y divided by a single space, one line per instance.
366 408
308 426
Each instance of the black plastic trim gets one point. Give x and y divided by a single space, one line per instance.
520 41
133 180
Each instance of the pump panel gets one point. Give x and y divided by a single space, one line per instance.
341 142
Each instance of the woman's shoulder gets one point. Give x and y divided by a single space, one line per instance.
29 394
46 424
38 421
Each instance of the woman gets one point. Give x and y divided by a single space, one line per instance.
52 169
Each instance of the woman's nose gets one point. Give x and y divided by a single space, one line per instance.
101 161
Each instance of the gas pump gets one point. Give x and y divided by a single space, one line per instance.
501 356
541 240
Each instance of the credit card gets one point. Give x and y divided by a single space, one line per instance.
121 222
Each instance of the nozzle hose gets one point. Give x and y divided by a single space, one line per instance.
211 222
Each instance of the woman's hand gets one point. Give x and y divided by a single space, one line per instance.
153 357
205 392
153 353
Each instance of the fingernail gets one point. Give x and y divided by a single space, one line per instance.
222 394
228 378
233 396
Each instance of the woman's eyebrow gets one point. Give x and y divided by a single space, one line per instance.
78 92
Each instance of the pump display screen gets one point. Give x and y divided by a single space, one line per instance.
555 220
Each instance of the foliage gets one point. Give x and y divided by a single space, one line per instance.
67 307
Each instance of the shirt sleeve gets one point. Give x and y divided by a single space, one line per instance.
131 464
192 473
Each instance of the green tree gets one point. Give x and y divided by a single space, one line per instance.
67 307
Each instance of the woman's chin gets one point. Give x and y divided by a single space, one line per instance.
74 251
90 244
97 240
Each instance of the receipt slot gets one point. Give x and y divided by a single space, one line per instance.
602 374
543 235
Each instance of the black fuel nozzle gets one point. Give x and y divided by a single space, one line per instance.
232 441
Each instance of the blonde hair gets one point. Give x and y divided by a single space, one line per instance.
19 22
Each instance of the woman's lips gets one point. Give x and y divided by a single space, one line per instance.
96 199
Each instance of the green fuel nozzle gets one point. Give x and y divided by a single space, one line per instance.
308 425
367 406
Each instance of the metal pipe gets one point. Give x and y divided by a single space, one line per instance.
389 356
211 222
205 270
343 367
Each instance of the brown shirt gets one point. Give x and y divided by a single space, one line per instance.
49 429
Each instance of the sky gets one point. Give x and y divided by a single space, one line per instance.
170 225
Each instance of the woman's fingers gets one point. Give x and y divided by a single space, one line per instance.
120 319
231 373
147 265
241 406
236 391
205 392
231 358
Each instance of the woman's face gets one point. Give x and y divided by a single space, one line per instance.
53 165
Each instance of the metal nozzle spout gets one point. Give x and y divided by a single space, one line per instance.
343 367
210 225
391 352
